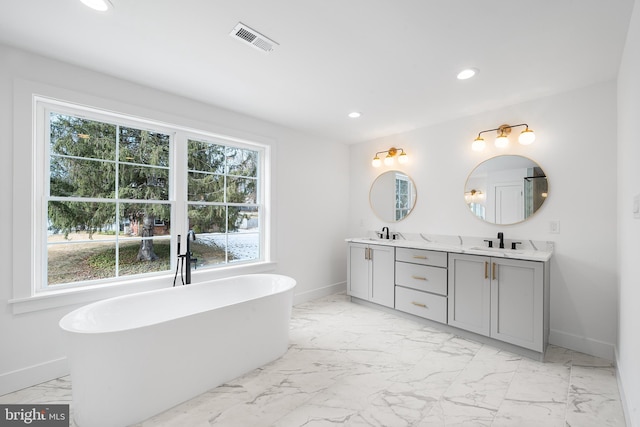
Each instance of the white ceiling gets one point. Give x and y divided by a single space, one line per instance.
394 60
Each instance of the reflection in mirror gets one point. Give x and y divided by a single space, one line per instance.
506 189
392 196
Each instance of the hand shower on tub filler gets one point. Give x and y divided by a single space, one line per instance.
185 258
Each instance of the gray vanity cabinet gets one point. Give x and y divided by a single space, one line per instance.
421 283
517 302
370 273
470 293
498 297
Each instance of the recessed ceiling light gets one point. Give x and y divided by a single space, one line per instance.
355 114
467 74
99 5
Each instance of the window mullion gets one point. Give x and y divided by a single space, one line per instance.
43 181
116 195
226 207
180 187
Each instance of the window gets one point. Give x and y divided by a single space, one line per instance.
404 200
116 194
477 209
107 185
222 202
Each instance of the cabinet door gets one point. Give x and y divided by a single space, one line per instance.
358 267
382 275
469 293
517 302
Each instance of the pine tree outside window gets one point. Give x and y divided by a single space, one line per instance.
222 202
115 197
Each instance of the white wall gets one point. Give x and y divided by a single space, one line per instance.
576 147
628 348
307 199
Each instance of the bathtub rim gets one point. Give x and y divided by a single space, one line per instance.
66 320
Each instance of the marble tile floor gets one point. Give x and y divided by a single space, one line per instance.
356 366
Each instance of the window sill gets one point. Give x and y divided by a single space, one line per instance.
80 296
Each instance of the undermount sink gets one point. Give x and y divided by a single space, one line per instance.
376 239
495 250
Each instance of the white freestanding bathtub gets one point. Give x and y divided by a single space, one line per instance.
134 356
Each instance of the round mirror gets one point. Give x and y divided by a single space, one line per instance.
392 196
506 189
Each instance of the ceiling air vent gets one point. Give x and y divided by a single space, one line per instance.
252 37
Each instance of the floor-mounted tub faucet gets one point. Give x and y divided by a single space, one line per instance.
191 235
185 258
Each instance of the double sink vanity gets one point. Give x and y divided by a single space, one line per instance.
489 289
483 292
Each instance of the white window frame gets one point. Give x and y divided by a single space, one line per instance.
261 190
44 107
29 213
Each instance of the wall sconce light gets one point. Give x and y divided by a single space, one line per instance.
474 196
526 137
388 159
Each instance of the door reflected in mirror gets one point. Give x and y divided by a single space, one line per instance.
392 196
506 189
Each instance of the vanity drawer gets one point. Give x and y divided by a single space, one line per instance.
421 304
422 277
421 256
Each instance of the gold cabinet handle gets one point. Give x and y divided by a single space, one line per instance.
420 257
419 278
494 271
419 304
368 253
486 269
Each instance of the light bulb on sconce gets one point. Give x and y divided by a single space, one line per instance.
502 139
392 153
526 137
478 144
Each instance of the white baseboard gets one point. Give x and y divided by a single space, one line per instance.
319 293
32 375
628 412
582 344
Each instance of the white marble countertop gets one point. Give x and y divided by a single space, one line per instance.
528 250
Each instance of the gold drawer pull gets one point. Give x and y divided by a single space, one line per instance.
420 257
419 304
418 278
